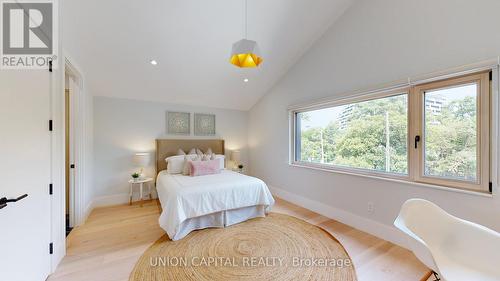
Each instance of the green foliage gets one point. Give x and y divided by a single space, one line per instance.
451 141
450 138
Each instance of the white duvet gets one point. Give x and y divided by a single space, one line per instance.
184 197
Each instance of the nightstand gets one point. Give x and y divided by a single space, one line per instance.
238 171
141 183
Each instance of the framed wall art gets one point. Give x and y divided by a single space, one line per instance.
178 123
204 124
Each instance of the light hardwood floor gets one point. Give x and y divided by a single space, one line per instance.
107 246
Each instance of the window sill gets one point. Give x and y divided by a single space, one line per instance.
392 178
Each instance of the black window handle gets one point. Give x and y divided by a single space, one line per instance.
417 139
3 206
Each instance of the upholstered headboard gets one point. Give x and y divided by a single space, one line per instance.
169 147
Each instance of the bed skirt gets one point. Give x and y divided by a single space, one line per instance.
219 219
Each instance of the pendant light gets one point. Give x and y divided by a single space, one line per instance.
246 53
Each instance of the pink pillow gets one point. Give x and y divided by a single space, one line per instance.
201 168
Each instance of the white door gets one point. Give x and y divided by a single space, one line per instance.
72 160
25 169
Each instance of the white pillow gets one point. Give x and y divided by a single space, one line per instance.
175 164
192 151
207 157
199 152
221 161
209 151
185 167
181 152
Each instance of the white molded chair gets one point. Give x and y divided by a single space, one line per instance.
454 248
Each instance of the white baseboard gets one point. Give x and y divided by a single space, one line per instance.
375 228
87 212
116 199
110 200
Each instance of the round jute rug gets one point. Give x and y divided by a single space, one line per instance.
277 247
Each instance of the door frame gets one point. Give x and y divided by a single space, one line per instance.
77 143
72 85
82 149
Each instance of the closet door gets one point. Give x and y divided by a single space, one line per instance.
25 167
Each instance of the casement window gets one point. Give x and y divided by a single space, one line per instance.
451 132
434 133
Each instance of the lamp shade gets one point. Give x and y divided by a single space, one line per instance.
236 156
246 53
141 159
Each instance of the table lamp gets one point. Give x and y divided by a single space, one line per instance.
236 157
141 159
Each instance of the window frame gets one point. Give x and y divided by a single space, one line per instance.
417 156
415 111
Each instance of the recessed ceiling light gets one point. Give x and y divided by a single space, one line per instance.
245 80
153 62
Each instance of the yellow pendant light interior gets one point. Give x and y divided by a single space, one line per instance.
246 53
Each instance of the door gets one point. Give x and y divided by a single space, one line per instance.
69 160
72 110
67 155
25 169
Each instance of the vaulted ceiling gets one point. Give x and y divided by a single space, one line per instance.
113 42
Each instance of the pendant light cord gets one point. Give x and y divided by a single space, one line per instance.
246 18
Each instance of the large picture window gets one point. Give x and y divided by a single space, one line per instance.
435 133
370 135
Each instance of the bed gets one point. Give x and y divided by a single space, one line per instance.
220 200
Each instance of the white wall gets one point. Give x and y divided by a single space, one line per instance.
85 153
375 42
82 128
123 127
